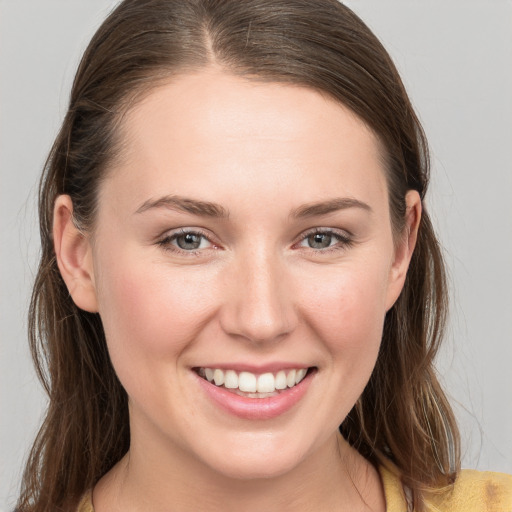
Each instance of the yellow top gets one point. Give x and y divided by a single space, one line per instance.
474 491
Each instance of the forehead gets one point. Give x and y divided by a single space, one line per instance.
212 126
249 106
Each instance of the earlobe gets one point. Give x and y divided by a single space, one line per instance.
74 256
405 247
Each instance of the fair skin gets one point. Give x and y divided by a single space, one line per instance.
291 265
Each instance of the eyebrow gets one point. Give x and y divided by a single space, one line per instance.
329 206
185 204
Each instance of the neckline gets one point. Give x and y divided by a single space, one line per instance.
394 493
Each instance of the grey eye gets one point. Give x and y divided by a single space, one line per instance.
319 240
189 241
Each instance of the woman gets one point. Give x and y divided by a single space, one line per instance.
240 295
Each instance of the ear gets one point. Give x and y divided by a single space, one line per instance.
74 256
405 247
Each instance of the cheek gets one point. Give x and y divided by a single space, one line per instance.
149 312
348 310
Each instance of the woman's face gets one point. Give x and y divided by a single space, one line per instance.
245 233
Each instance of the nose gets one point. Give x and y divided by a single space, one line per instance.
258 304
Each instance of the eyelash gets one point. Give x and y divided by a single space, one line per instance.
344 240
167 245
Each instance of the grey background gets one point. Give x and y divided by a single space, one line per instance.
455 57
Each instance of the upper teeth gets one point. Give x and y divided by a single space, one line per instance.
252 383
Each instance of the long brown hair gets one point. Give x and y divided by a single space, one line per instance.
402 415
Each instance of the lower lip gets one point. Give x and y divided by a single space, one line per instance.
256 408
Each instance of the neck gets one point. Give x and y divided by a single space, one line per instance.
334 478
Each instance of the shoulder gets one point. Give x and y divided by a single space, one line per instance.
475 491
85 504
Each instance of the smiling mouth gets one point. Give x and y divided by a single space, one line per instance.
253 385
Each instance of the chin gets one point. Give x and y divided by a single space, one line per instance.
262 468
257 460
